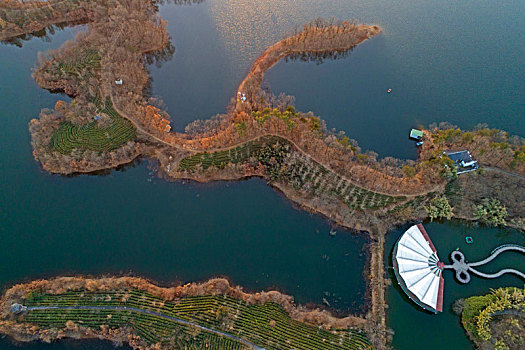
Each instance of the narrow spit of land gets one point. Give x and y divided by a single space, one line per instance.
210 315
27 18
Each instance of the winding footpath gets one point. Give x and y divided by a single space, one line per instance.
463 268
147 312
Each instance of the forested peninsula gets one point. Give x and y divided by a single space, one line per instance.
110 122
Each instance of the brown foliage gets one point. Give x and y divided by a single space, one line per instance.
216 286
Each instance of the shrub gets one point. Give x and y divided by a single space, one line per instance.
491 212
478 311
241 128
438 208
409 171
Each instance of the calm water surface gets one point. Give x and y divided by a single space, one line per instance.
458 61
129 222
413 326
455 61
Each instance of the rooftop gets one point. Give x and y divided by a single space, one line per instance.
463 160
416 134
418 269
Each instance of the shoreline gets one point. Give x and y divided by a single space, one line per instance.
315 170
12 325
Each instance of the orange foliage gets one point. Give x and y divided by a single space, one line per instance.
60 105
155 119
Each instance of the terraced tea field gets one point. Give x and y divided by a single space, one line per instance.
308 175
237 155
302 172
210 321
91 137
88 60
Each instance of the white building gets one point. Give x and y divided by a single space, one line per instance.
418 269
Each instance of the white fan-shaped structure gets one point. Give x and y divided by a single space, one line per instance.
418 269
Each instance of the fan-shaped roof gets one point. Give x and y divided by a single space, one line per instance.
418 269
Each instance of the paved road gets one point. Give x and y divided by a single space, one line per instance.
147 312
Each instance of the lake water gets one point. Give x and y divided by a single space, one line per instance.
412 325
457 61
128 222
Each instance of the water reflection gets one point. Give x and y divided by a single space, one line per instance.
45 33
248 27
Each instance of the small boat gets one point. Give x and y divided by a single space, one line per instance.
389 90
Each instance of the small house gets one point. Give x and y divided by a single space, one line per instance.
416 134
118 81
463 160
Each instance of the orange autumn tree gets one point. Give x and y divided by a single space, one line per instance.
156 120
60 106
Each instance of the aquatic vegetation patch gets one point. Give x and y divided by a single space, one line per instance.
266 325
93 137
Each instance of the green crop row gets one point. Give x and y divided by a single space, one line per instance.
220 159
302 172
69 136
267 325
87 60
305 174
151 328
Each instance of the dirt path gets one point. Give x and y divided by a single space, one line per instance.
504 172
148 312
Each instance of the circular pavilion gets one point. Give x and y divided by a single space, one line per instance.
418 269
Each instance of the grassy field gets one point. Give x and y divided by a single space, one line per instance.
91 137
300 171
267 325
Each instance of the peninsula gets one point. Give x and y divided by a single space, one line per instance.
207 315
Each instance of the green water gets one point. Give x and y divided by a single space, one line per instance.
410 323
128 222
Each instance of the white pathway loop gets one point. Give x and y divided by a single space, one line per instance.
463 268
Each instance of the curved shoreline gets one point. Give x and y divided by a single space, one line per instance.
11 323
346 169
333 38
